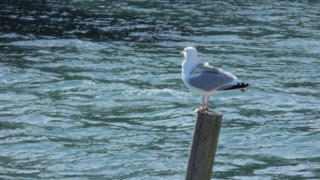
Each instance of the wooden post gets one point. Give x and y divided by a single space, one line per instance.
204 145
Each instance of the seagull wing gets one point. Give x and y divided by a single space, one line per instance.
209 78
205 67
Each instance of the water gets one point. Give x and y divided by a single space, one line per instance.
92 89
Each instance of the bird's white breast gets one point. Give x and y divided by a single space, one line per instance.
187 67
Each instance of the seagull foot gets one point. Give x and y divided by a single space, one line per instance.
199 109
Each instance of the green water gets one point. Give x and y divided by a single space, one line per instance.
93 89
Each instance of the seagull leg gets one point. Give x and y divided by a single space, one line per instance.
208 98
202 107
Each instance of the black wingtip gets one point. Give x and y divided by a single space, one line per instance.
240 85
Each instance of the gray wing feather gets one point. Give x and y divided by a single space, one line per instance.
211 78
201 67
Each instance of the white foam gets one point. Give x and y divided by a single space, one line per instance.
156 92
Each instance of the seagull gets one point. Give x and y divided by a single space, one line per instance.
206 80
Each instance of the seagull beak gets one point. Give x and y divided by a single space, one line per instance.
181 53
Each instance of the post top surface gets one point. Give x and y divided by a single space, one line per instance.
209 111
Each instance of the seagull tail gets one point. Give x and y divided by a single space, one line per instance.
240 86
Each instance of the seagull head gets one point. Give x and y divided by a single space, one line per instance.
190 53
